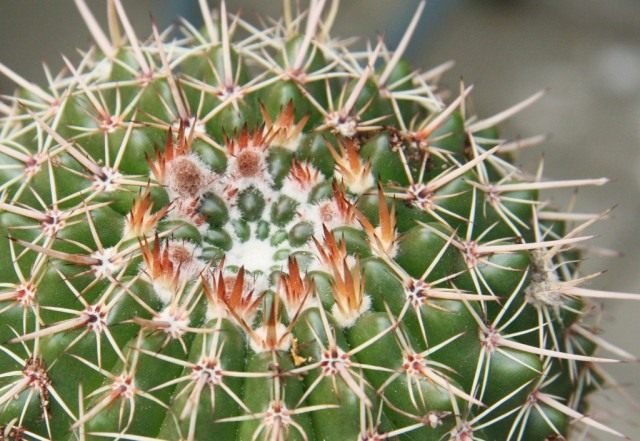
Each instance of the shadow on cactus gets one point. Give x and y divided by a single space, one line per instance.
245 233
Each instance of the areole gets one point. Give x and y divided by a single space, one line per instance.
247 233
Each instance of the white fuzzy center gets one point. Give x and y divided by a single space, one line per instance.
254 255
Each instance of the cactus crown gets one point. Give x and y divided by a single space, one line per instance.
246 233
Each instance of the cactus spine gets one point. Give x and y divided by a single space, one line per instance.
247 233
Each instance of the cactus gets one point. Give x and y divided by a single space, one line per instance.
246 233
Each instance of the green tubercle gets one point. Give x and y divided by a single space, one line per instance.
259 233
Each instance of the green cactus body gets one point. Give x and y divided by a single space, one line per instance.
247 234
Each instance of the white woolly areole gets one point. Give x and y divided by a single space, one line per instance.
252 289
263 183
296 191
191 124
249 167
164 291
183 255
346 319
260 337
186 255
183 183
356 185
254 255
25 294
53 222
124 386
289 143
299 191
324 213
386 248
108 181
217 310
107 264
345 125
175 322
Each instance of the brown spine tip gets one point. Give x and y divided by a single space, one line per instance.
295 290
160 268
141 221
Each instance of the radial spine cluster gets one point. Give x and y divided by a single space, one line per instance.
263 233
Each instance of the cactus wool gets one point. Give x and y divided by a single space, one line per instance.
259 233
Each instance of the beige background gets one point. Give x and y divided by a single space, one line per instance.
587 52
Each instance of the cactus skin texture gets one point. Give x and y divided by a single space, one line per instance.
246 233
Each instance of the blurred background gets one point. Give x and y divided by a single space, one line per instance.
585 52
